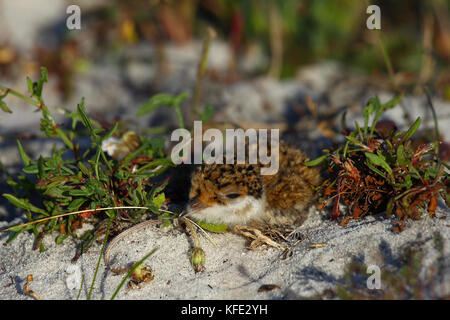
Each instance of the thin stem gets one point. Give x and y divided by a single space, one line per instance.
202 68
436 127
72 213
19 95
193 232
81 211
387 61
202 230
179 116
45 111
81 287
100 258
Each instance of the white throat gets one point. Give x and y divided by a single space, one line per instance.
240 212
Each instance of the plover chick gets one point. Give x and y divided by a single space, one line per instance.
240 195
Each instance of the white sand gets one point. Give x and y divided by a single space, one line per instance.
232 272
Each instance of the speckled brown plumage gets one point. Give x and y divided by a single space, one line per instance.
239 194
289 192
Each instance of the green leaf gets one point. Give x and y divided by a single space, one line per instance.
218 228
31 169
207 113
411 130
378 112
408 181
40 84
316 161
374 169
379 161
154 102
5 93
393 102
84 118
25 158
179 98
4 107
79 192
44 74
431 172
401 156
358 130
83 169
13 236
30 85
354 140
55 192
41 167
367 111
414 170
111 132
157 143
179 116
159 200
61 238
23 203
390 207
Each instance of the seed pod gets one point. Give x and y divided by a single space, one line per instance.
198 259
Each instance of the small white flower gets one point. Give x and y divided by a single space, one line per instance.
110 145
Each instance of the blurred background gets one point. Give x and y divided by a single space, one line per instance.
292 64
262 36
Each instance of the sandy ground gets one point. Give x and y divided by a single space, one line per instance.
232 271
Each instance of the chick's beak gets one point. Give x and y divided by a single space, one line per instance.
195 204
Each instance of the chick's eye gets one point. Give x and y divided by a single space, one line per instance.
233 195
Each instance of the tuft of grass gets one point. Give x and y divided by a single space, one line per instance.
50 189
379 170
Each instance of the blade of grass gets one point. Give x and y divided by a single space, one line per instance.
81 287
99 258
201 69
436 126
411 130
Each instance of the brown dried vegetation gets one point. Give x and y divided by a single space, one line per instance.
378 170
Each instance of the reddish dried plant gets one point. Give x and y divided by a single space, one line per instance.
378 170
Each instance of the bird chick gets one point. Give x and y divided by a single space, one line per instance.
239 195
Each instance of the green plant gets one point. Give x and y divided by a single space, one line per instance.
164 99
105 188
377 169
